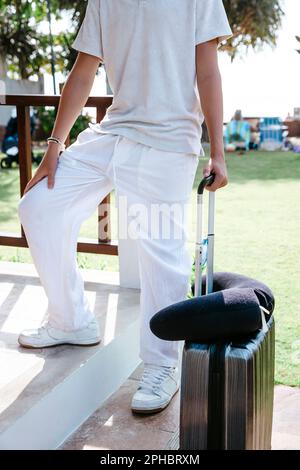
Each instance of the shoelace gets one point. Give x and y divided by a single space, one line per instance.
41 329
44 326
153 377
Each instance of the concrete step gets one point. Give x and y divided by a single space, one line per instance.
114 427
47 394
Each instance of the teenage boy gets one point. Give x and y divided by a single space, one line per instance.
161 61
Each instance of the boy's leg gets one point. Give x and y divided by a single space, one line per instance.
51 219
157 191
164 259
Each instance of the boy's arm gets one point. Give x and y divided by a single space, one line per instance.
73 98
75 94
211 97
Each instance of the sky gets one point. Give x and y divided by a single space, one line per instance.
262 83
266 83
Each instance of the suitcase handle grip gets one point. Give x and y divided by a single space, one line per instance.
206 181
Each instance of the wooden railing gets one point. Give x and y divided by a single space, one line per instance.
104 244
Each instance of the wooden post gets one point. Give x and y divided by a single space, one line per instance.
25 167
24 135
103 213
101 110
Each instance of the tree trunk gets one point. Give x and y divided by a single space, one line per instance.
3 68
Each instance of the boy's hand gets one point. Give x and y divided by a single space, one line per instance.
216 165
46 168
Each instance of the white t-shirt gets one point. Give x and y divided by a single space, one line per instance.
148 48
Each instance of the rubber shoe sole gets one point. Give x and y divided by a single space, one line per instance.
147 411
64 343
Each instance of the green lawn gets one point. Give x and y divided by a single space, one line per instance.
257 234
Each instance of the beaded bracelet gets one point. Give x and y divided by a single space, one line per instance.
57 141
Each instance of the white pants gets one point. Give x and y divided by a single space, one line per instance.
146 178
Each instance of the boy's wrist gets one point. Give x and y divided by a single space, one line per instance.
217 155
53 150
217 148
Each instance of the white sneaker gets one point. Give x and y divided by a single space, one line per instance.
46 336
156 389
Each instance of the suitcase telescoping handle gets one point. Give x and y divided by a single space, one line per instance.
207 181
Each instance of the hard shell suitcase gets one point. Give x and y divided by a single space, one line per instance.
226 387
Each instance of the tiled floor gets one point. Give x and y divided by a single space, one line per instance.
286 422
114 427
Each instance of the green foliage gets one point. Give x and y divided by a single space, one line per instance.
24 35
254 23
20 43
80 125
24 40
46 117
